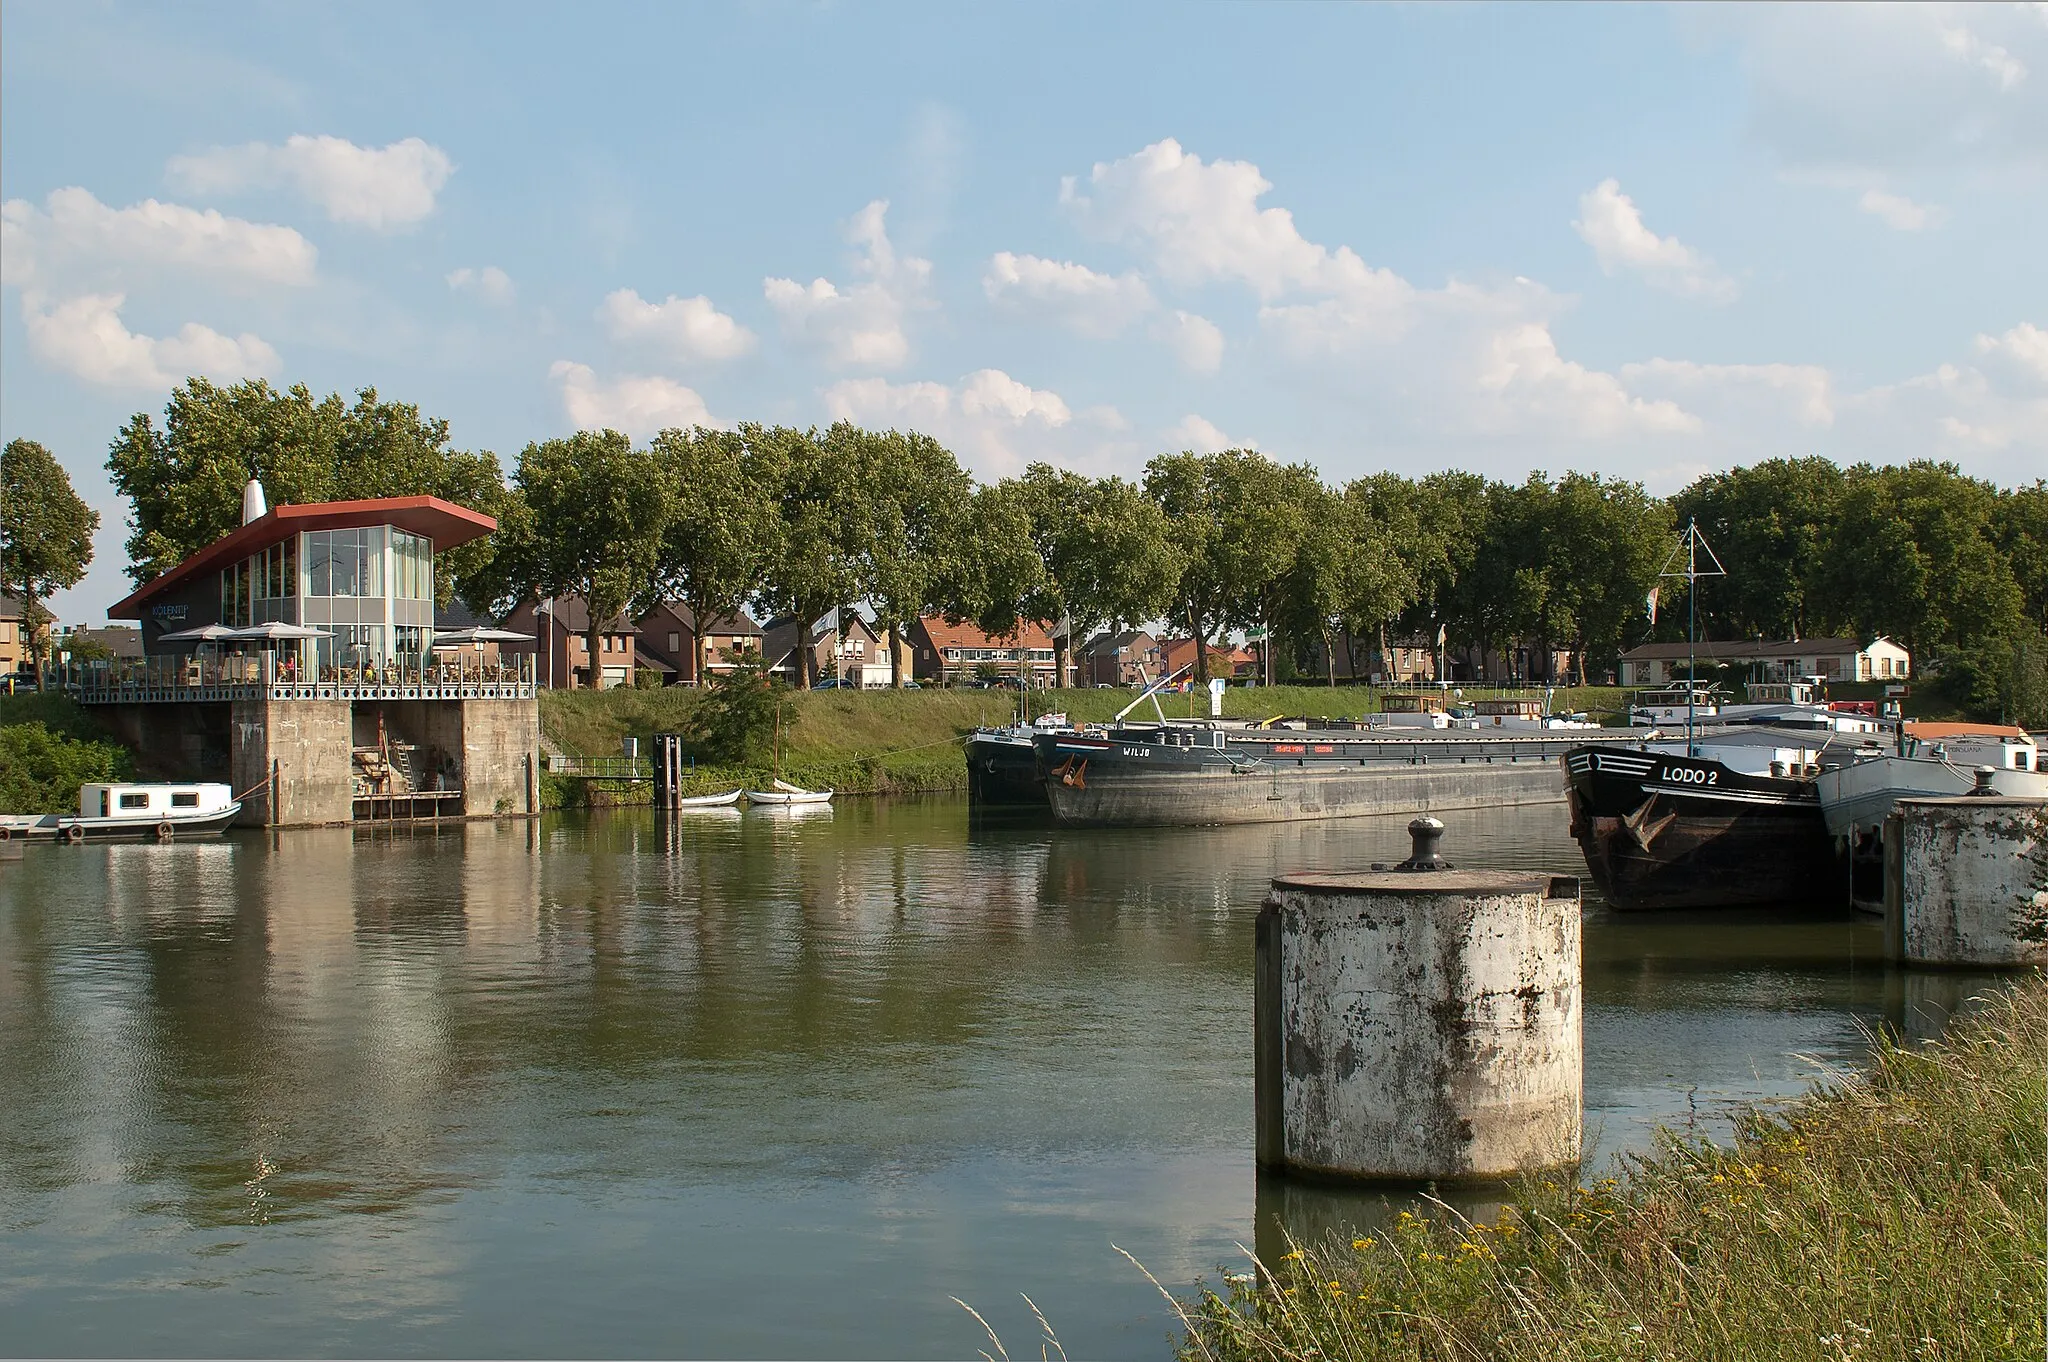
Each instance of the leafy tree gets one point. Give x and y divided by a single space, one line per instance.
185 478
1237 523
719 532
826 522
1773 519
995 581
1603 545
45 534
920 504
1913 555
2020 522
738 712
585 520
1104 552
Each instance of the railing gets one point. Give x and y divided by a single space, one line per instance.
600 768
266 675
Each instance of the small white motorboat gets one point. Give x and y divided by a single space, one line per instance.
131 809
712 801
785 793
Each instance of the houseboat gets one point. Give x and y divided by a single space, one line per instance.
131 810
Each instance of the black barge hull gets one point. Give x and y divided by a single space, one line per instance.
1661 830
1003 774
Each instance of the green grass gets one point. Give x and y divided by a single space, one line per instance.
1893 1215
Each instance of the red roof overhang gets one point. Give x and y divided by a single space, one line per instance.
441 521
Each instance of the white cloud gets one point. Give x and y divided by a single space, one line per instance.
1430 364
637 404
1195 341
860 326
2020 355
376 187
996 423
1196 434
1899 212
74 241
1611 224
1090 303
1201 223
1748 396
1858 90
687 329
85 337
490 283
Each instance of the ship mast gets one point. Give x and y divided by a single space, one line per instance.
1693 546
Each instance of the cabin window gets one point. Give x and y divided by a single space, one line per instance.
134 801
184 799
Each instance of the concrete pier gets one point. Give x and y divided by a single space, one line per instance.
1966 881
1419 1026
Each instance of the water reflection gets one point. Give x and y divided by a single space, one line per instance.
735 1083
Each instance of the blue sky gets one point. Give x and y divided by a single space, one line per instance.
1640 240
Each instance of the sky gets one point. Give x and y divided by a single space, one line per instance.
1646 241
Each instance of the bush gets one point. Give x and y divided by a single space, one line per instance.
736 719
40 771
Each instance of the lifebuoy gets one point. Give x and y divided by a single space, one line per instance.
164 831
74 834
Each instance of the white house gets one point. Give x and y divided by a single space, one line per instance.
1833 659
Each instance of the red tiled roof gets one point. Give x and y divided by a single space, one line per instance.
441 521
1180 652
965 635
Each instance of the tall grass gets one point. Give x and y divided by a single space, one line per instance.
1896 1214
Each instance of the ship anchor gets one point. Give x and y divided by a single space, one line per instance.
1642 828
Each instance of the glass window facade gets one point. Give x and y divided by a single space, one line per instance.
412 566
345 562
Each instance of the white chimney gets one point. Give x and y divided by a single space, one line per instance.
253 508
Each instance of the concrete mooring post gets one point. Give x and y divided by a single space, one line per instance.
1966 881
1419 1022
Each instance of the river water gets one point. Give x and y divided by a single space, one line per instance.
735 1084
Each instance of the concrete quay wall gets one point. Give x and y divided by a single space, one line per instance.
293 758
1967 882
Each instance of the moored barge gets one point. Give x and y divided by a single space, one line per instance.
1731 820
1174 775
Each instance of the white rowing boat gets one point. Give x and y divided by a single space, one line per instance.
714 801
785 793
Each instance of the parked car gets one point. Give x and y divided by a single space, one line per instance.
832 683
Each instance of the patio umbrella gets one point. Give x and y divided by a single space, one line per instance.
204 633
274 632
455 638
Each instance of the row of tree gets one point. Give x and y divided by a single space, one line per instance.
795 522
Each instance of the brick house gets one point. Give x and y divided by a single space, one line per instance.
669 638
1223 660
13 634
954 653
559 627
1115 659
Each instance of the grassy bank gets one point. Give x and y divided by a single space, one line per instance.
1893 1215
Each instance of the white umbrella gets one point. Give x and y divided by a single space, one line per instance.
204 633
275 632
455 638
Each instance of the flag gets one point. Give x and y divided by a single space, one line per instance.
1651 601
1440 636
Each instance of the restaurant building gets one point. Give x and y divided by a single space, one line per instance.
297 658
